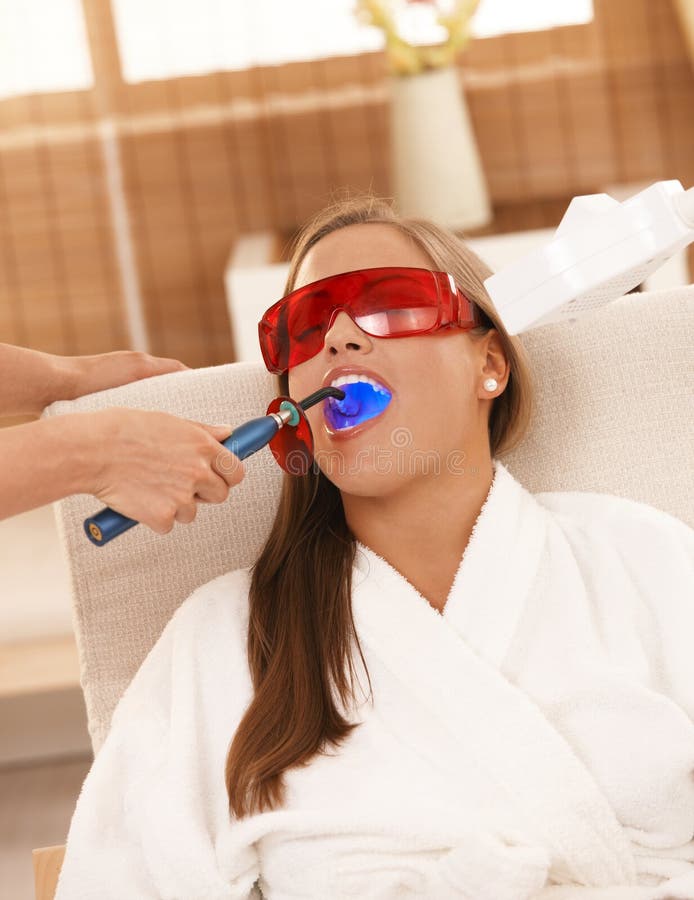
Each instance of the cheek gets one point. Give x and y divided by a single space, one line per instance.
303 380
296 378
441 391
442 367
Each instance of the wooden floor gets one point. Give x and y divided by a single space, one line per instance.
36 805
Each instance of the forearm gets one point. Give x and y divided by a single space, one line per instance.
30 380
43 461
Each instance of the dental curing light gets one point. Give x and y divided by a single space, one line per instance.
600 251
294 452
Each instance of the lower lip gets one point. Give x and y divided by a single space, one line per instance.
344 434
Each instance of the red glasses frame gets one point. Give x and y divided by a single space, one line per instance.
390 301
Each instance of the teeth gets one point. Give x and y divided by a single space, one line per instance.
353 379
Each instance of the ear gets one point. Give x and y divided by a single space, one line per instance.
494 364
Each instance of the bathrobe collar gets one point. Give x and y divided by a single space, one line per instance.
460 652
495 574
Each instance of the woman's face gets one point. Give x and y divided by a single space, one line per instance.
436 419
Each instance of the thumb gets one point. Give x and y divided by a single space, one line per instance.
159 365
220 432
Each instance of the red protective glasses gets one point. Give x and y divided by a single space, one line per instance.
385 302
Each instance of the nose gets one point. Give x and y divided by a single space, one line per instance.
343 333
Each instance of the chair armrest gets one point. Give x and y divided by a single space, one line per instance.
47 863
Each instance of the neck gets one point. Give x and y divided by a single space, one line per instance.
423 528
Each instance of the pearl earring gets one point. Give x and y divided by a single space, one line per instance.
491 384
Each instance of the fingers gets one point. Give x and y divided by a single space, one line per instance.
144 480
159 365
225 463
226 471
163 518
107 370
228 466
186 514
135 366
214 490
218 432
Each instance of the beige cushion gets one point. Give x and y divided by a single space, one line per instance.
614 414
126 591
615 403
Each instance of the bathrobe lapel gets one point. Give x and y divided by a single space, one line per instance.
496 723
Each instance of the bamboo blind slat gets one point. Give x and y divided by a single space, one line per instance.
488 54
490 111
268 133
283 200
138 233
685 12
168 284
586 104
675 84
202 281
350 152
493 119
238 84
11 307
30 221
542 127
229 137
115 332
304 144
209 194
64 108
344 70
252 176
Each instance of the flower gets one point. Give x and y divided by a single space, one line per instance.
407 58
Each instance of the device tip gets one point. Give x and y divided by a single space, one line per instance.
321 394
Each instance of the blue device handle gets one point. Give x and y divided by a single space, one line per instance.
243 441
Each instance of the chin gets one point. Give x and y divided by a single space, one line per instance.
362 480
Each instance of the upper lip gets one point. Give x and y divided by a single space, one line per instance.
354 370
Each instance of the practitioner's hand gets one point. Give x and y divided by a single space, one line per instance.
87 374
154 467
30 380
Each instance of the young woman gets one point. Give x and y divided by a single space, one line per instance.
432 683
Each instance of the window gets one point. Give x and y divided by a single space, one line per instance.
499 17
505 16
167 38
43 47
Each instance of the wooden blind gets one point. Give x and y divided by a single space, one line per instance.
204 159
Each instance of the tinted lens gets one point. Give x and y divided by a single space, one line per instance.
386 302
307 323
394 304
294 329
391 322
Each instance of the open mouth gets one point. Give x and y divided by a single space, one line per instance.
364 399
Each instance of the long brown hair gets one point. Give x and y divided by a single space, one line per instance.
301 631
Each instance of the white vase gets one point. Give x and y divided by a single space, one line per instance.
436 166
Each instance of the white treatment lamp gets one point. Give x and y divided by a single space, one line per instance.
600 251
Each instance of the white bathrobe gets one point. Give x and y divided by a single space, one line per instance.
536 740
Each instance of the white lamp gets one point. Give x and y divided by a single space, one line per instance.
600 251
